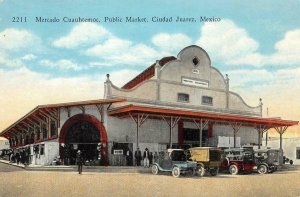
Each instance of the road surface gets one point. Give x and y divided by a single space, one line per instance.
17 182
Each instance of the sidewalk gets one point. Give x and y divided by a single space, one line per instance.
106 169
111 169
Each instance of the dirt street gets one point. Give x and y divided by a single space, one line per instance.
16 182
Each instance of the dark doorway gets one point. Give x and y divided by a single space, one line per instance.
192 136
83 136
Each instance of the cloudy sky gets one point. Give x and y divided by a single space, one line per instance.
256 44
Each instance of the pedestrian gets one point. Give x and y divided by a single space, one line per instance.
18 157
129 157
138 157
146 158
79 161
155 157
150 158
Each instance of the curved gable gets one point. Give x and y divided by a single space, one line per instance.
193 63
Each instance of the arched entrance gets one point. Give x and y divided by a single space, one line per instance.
86 133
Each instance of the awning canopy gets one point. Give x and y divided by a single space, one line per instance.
187 114
50 110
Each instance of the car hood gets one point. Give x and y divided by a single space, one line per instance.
188 164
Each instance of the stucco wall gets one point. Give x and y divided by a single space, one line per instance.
237 103
152 131
247 135
289 146
168 93
146 90
91 110
168 82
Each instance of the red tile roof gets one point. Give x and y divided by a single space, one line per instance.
147 74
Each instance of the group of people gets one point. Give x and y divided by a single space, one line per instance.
21 156
148 157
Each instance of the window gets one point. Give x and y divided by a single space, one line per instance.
42 150
45 130
53 128
183 97
298 153
195 61
37 132
207 100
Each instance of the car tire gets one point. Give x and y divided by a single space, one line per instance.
214 171
193 172
262 169
176 172
233 169
201 171
155 169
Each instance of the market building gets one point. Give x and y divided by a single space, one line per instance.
178 101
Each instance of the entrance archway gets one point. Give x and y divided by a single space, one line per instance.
84 132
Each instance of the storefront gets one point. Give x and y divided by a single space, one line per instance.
177 102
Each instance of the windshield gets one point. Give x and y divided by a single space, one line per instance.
178 156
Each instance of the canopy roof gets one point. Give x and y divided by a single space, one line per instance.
52 111
155 112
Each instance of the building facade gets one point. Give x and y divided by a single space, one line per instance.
178 101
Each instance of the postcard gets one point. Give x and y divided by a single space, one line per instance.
149 98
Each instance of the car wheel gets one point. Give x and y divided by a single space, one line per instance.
233 169
155 169
262 169
214 171
201 171
176 172
193 172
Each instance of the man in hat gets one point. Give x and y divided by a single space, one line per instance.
79 161
146 158
138 156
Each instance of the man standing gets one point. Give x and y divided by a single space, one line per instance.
129 157
138 157
146 158
79 161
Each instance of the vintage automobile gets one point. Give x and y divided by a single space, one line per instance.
208 159
238 160
267 160
175 161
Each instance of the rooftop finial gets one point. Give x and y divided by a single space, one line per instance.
107 77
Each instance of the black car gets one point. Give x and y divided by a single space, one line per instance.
267 160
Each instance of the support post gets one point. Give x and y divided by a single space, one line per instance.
236 127
281 131
260 130
266 138
201 124
139 120
173 121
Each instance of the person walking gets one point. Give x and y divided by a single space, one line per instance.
18 157
79 161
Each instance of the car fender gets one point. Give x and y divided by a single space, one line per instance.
160 168
263 163
235 163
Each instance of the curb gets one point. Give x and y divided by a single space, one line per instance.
7 163
97 169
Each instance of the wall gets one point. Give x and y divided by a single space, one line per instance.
247 135
168 82
289 146
4 144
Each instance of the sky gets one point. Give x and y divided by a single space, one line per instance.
257 43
